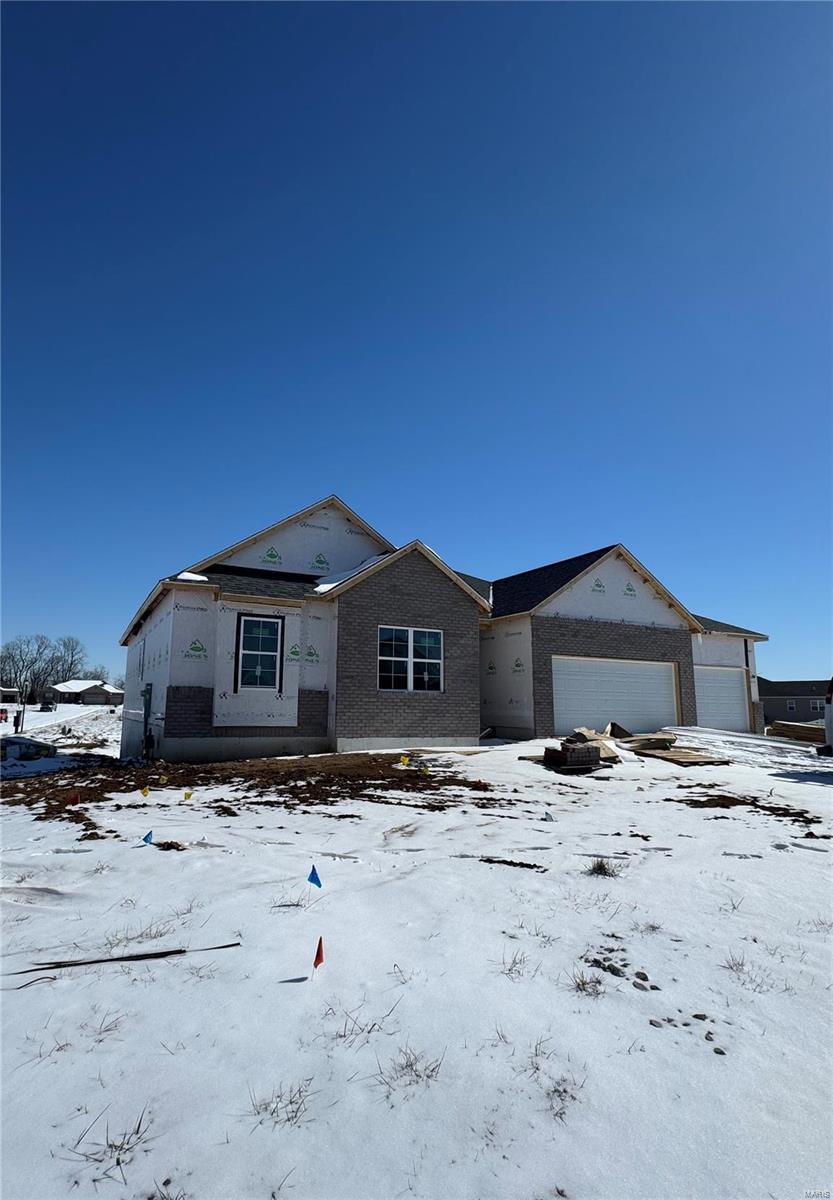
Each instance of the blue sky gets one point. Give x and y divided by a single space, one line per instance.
520 280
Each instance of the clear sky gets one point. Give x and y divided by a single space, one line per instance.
519 280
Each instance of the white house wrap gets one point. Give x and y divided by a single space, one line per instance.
256 706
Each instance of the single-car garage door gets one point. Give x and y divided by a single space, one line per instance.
642 696
721 698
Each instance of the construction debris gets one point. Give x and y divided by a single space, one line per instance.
572 754
649 741
25 748
577 752
684 756
60 964
797 731
584 736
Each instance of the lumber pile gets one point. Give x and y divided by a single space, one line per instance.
685 756
797 731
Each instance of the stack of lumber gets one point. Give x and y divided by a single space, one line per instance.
685 756
797 731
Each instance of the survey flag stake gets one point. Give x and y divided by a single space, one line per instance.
148 838
319 954
313 877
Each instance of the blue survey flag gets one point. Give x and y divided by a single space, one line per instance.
313 877
148 838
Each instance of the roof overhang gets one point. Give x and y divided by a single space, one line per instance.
620 551
304 512
747 636
412 547
155 597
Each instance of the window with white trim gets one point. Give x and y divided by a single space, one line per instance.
791 706
410 660
259 653
817 706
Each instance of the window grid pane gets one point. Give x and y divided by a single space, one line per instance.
410 659
260 640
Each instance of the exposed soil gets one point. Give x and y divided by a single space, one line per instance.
289 783
798 816
510 862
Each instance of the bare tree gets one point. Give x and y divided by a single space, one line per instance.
99 671
26 663
69 658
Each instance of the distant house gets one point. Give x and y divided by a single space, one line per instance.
9 695
85 691
793 699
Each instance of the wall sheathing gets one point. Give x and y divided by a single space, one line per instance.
506 677
148 661
613 591
323 543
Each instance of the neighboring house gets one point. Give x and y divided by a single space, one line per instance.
793 700
85 691
317 633
9 695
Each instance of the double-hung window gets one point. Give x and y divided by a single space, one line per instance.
410 660
817 706
791 706
259 652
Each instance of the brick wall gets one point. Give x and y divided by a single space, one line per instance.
758 722
189 713
411 592
606 639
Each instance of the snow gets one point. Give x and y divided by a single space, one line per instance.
253 1084
326 583
189 576
92 729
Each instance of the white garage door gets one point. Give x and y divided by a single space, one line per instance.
642 696
721 698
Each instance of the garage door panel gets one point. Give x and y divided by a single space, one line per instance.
641 696
722 701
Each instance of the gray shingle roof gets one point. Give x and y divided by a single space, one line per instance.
273 584
483 587
722 627
792 687
520 593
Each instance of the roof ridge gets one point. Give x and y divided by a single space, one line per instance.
560 562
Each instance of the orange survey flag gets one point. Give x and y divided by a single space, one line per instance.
319 954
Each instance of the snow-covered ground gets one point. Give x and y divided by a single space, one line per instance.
91 729
478 1029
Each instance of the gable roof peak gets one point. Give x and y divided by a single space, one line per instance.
351 515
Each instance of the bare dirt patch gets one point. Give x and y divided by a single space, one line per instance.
510 862
287 783
797 816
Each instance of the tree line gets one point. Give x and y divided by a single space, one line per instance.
32 662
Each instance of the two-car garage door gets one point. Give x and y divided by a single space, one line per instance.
641 696
721 698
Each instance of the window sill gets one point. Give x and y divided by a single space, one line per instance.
406 692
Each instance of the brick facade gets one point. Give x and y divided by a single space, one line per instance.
606 639
410 592
758 721
189 713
